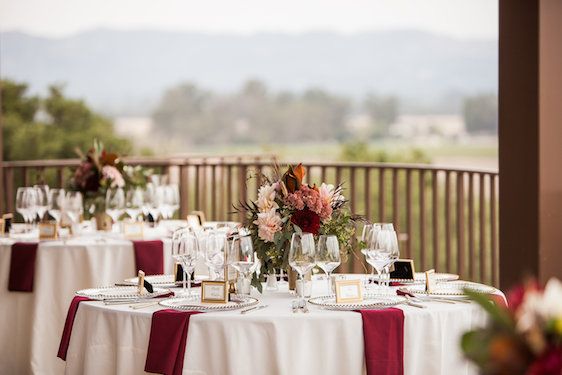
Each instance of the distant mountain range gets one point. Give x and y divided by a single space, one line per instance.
126 72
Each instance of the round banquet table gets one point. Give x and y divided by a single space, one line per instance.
32 323
114 339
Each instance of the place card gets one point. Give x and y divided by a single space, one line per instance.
214 292
133 229
430 281
349 291
141 282
403 269
47 230
193 221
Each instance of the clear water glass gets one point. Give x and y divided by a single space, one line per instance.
301 255
185 249
215 248
55 203
42 192
134 201
115 203
244 259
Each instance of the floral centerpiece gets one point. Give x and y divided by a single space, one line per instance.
524 338
99 171
286 205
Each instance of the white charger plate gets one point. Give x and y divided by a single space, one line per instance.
370 301
111 292
419 278
451 289
180 303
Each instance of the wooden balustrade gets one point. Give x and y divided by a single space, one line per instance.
446 217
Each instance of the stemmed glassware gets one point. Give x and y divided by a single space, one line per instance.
301 256
42 203
216 246
115 203
55 206
26 204
171 200
73 206
384 251
185 248
134 202
245 260
327 256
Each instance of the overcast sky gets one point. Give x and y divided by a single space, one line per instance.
461 18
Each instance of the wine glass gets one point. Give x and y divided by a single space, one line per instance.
155 200
301 256
327 256
25 204
383 252
56 203
42 193
244 258
115 203
74 206
394 252
134 202
185 248
172 199
216 244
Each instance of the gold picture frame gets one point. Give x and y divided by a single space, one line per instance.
48 230
133 230
214 292
349 291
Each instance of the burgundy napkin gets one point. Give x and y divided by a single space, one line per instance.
149 256
22 266
383 335
166 346
65 339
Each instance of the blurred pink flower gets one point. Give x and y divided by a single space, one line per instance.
268 224
112 174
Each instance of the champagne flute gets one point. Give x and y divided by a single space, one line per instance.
42 194
245 260
56 203
301 256
327 256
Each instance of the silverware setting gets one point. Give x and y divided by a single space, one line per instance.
299 305
124 301
255 308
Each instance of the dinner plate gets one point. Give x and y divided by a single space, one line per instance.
111 292
451 289
180 303
165 281
419 278
370 301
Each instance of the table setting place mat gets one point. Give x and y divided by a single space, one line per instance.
165 281
419 278
184 304
449 289
126 293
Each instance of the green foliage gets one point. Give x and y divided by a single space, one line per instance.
51 127
361 151
481 114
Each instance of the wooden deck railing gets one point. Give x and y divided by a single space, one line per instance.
447 218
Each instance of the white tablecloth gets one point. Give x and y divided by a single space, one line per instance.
32 323
114 340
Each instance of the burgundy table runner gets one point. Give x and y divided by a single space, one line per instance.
65 339
149 256
22 266
166 346
383 335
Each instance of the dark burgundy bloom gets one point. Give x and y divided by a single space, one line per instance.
307 221
86 177
550 363
516 295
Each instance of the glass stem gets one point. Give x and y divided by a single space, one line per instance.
188 285
183 285
301 294
329 282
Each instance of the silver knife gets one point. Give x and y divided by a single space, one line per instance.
255 308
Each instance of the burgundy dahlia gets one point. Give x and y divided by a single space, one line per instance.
307 221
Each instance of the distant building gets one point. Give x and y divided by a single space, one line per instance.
137 129
428 126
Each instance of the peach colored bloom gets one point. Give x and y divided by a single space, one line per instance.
268 224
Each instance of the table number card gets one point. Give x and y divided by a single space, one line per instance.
430 281
133 230
47 230
214 292
403 269
348 291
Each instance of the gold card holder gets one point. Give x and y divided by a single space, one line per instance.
430 281
48 230
214 291
201 216
140 285
193 221
133 230
349 291
403 269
